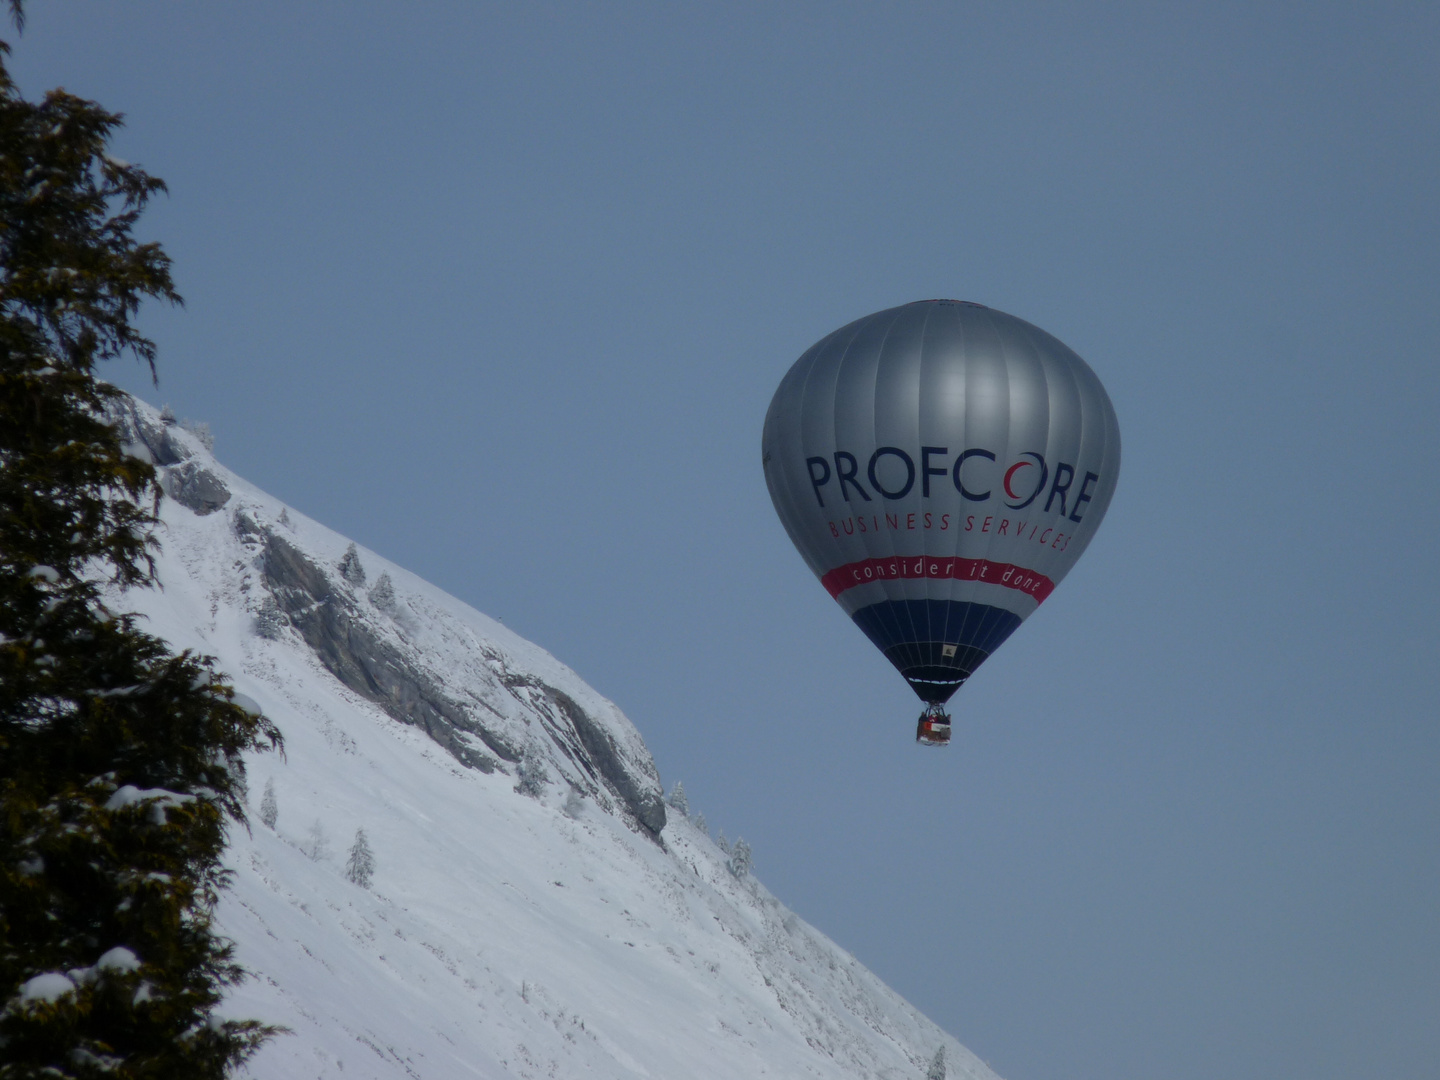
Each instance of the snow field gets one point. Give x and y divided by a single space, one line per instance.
500 936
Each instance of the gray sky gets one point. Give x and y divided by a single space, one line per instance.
503 293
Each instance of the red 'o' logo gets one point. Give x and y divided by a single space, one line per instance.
1029 460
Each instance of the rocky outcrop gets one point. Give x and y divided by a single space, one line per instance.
324 615
195 487
644 801
182 476
328 614
140 428
588 742
354 635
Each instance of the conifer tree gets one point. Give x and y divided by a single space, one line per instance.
740 858
350 568
317 842
937 1066
383 594
532 774
269 808
678 800
360 865
120 760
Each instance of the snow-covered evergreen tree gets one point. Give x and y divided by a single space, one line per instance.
722 843
702 824
383 594
740 860
167 415
937 1066
360 864
113 805
677 799
269 808
350 568
285 517
317 842
201 431
574 804
532 775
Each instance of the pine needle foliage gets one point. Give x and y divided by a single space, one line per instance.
120 761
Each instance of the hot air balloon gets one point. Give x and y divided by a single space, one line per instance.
940 466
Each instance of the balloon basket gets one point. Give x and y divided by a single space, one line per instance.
934 728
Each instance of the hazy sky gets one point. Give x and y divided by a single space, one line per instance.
502 292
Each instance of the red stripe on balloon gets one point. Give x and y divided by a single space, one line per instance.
1007 575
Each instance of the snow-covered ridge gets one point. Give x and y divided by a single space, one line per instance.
490 698
574 932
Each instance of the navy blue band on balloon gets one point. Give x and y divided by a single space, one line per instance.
916 635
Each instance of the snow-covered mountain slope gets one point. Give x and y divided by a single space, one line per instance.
575 931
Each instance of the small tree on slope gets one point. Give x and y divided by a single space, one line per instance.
937 1066
350 568
269 808
678 800
119 760
316 844
532 774
361 863
740 859
383 594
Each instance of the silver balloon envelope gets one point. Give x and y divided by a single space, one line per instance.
940 466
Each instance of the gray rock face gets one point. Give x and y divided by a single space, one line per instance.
138 427
326 611
644 802
182 478
195 488
360 640
326 618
